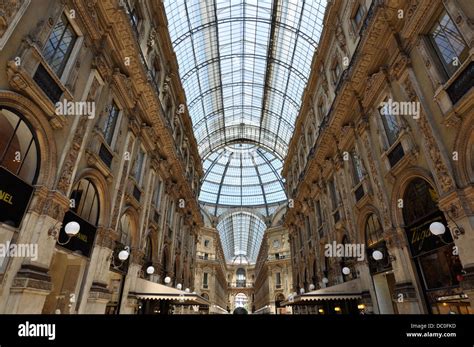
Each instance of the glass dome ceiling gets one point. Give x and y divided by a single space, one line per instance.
244 65
242 175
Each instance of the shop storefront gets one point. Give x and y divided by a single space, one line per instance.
74 248
436 260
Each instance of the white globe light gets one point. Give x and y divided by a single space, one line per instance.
123 255
150 270
187 290
179 286
72 228
437 228
325 280
346 270
167 280
301 290
311 286
194 292
377 255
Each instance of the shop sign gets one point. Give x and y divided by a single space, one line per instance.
15 196
421 240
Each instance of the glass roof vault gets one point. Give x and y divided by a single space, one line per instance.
244 65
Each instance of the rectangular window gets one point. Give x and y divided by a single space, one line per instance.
356 168
333 193
359 14
158 193
448 43
336 72
59 45
110 123
278 279
206 243
204 280
170 212
138 165
390 124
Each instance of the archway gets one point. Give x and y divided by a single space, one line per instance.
241 300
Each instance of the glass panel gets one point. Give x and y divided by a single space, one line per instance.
110 123
18 149
449 44
390 123
59 45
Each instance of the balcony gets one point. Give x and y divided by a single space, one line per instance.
240 284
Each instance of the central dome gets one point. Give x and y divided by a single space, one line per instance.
242 175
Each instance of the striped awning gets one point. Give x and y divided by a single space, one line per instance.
147 290
344 291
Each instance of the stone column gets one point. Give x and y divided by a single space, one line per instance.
407 295
96 294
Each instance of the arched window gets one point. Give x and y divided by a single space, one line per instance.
420 200
374 241
125 229
19 152
85 201
373 231
205 296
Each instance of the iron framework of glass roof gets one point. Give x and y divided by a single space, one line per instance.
244 65
241 234
242 175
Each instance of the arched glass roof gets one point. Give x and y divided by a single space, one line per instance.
244 65
242 175
241 234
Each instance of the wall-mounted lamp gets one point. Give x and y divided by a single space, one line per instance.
438 228
150 270
122 256
378 256
167 280
71 229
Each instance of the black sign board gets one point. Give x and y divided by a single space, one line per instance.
421 240
82 242
15 196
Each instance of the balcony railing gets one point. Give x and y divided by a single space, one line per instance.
240 284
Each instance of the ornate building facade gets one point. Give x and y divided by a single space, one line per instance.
382 160
97 155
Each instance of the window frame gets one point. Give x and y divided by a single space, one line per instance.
444 67
74 52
